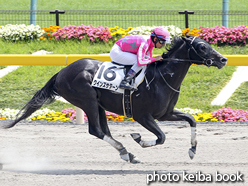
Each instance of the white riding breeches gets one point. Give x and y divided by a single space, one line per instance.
124 58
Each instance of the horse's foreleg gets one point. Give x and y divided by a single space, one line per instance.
137 138
180 116
192 150
149 123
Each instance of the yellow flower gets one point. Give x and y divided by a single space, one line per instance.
3 118
117 32
121 118
193 32
205 117
38 117
55 118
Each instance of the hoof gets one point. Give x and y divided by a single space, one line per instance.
133 159
192 152
136 137
128 157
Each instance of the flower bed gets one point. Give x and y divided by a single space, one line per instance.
219 35
89 33
221 115
146 30
20 32
71 113
11 113
231 115
192 32
117 32
225 36
207 117
48 32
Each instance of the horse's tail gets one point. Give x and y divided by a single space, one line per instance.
45 95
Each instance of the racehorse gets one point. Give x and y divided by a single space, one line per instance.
153 100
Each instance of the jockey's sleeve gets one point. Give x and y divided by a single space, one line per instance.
141 59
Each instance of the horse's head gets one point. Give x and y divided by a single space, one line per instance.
200 52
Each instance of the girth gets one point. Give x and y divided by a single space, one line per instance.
127 103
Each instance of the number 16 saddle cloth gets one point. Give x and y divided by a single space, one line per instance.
109 76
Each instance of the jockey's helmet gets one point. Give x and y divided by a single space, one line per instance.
161 33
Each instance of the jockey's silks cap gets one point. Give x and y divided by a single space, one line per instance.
162 33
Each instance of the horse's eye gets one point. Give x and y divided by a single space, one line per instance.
203 47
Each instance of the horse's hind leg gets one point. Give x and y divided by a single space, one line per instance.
149 123
98 127
127 156
103 121
117 145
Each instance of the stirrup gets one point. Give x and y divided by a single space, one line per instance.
129 87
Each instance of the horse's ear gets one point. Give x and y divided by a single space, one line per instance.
186 39
188 36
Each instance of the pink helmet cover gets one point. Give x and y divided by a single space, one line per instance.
161 33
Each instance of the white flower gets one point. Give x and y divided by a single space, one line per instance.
16 32
189 110
146 30
11 113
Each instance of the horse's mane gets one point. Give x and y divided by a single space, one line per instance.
175 44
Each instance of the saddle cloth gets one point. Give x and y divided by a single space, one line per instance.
109 76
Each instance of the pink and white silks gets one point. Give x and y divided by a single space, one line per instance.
133 50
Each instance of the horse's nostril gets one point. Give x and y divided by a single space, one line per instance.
223 60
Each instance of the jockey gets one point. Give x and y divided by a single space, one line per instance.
136 50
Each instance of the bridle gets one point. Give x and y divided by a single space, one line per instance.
203 61
207 62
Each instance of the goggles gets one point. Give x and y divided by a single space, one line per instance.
161 41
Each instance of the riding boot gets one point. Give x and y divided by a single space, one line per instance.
125 83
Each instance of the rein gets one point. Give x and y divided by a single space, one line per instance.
148 83
178 91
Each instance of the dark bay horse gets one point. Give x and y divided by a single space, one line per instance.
73 83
